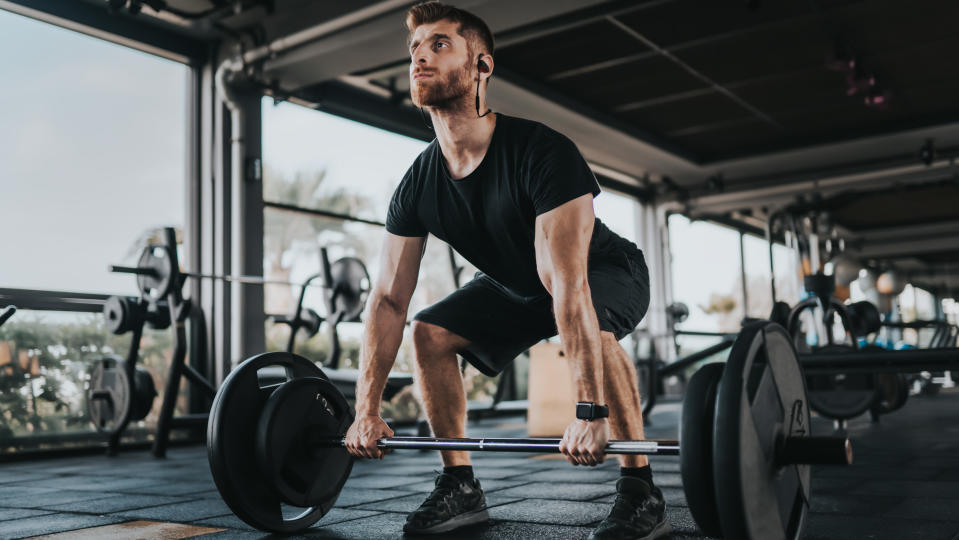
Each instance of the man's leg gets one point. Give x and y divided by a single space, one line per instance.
639 510
622 395
441 385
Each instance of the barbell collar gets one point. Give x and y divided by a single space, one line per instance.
536 445
815 451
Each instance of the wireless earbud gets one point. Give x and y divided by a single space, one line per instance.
481 67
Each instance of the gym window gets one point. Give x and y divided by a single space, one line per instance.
93 161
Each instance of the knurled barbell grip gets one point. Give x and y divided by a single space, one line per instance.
657 447
815 451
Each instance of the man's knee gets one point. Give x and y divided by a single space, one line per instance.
430 339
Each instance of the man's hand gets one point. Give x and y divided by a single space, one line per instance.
584 443
362 436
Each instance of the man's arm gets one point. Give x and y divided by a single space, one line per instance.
562 250
386 318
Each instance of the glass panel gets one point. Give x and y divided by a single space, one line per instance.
705 274
317 160
618 212
758 288
788 281
759 301
91 155
45 358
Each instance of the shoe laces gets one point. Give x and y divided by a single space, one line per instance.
446 484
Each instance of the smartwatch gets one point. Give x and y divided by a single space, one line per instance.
587 410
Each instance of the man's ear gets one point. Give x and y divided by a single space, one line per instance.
484 64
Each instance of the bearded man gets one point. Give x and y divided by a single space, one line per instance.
514 197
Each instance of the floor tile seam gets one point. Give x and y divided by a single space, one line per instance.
184 494
159 505
496 521
135 517
45 513
375 513
564 500
46 507
48 514
379 500
510 487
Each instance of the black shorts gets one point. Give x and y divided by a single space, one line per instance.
500 324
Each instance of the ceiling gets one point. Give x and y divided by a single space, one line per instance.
725 108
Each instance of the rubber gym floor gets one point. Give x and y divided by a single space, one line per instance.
904 484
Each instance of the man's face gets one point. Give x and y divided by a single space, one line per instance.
441 70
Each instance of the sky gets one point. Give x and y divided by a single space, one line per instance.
92 152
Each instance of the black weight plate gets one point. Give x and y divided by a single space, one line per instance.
231 445
761 397
696 447
893 392
893 388
158 259
841 395
108 394
120 314
296 415
350 283
144 393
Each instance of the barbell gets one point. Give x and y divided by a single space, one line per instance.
347 279
745 452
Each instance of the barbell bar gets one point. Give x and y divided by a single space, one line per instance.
533 445
792 450
253 280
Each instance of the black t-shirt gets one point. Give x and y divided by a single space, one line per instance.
489 216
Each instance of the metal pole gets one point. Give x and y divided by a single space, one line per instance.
658 447
742 272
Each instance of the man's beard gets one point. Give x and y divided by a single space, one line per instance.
443 93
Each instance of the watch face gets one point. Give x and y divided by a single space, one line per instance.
585 411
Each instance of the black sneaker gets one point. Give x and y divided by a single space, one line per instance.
452 504
639 513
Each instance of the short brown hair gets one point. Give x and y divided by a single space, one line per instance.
471 27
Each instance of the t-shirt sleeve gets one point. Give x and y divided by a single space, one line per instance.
558 173
401 217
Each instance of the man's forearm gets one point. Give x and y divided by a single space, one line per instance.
579 334
381 339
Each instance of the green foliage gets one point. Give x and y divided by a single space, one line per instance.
42 385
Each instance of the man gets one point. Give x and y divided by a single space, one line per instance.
515 198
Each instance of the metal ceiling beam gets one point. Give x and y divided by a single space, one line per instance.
526 32
694 72
121 29
678 47
774 190
929 230
910 247
550 94
571 20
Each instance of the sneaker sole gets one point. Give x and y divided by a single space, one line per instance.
660 530
455 522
